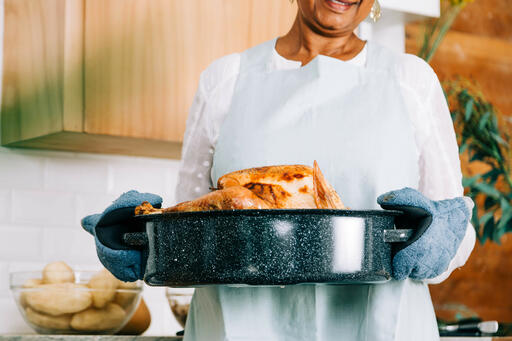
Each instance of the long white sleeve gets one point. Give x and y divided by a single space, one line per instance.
440 173
211 103
196 158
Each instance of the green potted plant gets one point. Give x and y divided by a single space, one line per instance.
482 139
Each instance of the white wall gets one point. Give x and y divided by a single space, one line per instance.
429 8
389 31
43 196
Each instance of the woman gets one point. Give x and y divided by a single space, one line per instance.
374 120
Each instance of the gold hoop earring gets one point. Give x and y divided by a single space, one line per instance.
375 12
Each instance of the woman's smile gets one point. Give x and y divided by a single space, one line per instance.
340 6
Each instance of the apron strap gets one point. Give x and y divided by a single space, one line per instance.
257 58
380 59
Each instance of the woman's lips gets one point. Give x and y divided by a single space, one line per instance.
340 6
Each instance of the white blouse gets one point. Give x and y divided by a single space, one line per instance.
439 164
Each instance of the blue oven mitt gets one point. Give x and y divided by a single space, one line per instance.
439 228
125 263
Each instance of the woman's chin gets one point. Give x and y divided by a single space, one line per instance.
334 25
340 6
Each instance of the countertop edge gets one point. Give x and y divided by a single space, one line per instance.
35 337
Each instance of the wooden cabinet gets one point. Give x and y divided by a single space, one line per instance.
118 76
42 77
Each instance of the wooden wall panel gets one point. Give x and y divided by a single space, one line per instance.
269 19
489 18
143 59
481 288
487 61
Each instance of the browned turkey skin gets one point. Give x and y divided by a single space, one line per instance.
272 187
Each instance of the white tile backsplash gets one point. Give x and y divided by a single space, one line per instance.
43 196
75 243
65 174
4 282
143 177
21 171
171 178
56 208
19 243
5 205
87 203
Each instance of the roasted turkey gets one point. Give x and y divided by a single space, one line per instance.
272 187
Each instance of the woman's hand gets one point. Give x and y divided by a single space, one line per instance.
124 263
440 227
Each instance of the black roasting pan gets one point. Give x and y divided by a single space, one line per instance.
268 247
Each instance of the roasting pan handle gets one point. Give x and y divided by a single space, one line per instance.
398 235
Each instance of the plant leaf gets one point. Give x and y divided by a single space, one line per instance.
484 120
485 218
505 205
468 182
504 220
480 137
488 230
468 109
488 189
495 121
499 139
497 235
492 175
489 203
478 156
463 148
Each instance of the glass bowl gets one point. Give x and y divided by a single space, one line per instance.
84 302
179 301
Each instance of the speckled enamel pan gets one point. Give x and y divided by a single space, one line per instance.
268 247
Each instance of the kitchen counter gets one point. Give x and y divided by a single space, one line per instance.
170 338
482 338
87 338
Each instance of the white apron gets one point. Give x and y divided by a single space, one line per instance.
353 121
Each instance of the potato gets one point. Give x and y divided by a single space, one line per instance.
29 283
60 298
104 285
93 319
53 322
58 272
124 299
32 283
